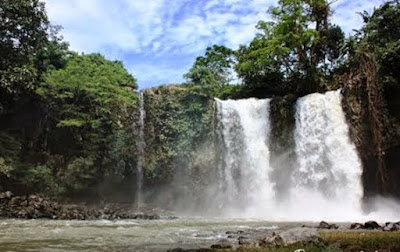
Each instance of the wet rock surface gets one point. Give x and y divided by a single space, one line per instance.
295 235
391 226
263 238
373 225
37 207
356 226
326 225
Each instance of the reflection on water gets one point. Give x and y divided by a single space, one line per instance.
131 235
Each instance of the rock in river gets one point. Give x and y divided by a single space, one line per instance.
292 236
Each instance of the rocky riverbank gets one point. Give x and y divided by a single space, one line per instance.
38 207
368 236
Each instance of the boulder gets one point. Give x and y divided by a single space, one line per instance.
293 236
392 226
296 235
326 225
274 240
356 226
222 244
6 195
371 225
245 241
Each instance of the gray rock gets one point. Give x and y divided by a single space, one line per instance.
6 195
293 236
356 226
371 225
391 226
326 225
274 240
245 241
222 244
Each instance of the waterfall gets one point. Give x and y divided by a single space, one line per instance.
323 183
244 131
326 181
141 144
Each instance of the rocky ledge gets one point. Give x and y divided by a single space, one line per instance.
37 207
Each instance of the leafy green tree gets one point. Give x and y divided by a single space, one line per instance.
212 71
23 31
89 105
53 54
296 51
88 80
381 35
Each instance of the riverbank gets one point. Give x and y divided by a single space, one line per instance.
38 207
355 237
347 241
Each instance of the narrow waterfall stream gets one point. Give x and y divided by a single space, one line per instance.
325 180
141 144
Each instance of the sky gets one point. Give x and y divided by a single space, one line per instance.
158 40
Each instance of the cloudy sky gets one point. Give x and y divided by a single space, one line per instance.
158 40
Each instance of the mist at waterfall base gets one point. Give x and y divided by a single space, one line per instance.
322 182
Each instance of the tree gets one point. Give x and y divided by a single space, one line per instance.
212 71
297 50
89 112
381 35
23 31
87 87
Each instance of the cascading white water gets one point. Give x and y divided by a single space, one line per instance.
325 181
244 131
141 144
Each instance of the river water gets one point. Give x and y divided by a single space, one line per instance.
122 235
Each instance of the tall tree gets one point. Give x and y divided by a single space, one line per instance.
89 118
23 31
299 47
213 70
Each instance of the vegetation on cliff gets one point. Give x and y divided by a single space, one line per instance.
372 89
68 122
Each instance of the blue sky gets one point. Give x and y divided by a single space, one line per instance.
158 40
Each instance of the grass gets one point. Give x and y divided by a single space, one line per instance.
348 241
366 241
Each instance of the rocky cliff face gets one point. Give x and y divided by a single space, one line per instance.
373 117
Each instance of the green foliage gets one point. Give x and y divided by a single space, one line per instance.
90 102
296 52
212 71
43 179
5 169
177 123
380 36
23 31
79 174
90 77
54 53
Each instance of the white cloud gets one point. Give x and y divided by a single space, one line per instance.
179 29
345 13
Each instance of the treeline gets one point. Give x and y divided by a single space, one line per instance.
300 51
65 119
68 121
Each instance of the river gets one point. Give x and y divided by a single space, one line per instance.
121 235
